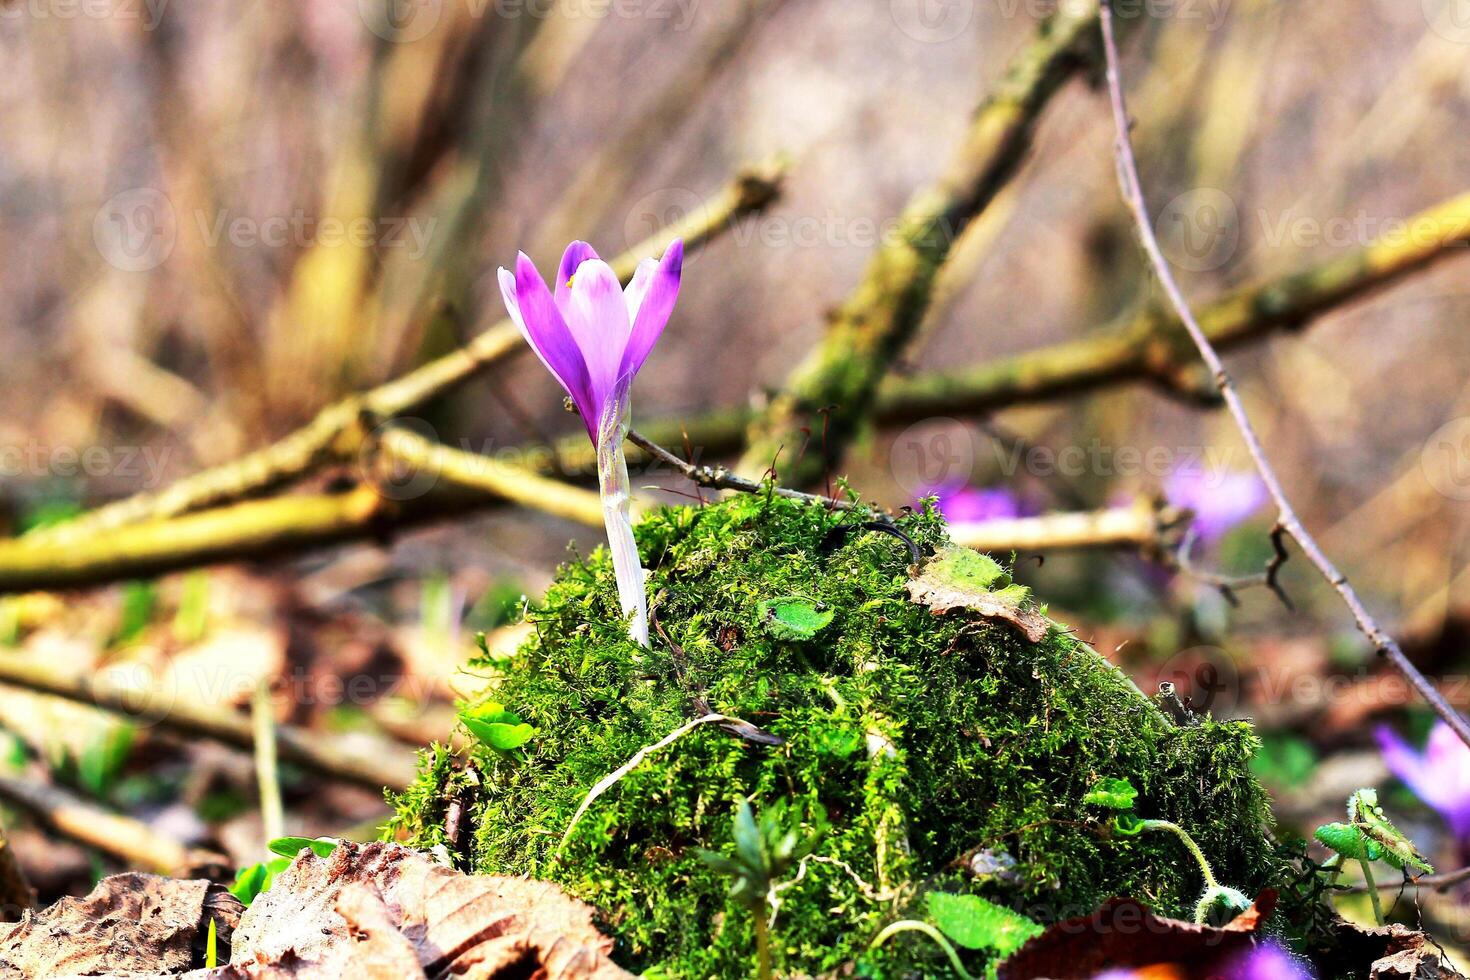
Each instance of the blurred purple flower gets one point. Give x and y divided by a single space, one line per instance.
593 336
1268 961
1219 502
1440 775
960 504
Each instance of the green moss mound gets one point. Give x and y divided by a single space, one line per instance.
931 747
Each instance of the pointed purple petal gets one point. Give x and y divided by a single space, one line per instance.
637 287
571 261
655 309
1405 762
598 319
535 312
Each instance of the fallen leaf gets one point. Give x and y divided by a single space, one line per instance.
1125 934
362 911
959 578
1396 952
129 924
369 911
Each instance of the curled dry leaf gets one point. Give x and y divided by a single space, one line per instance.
1124 934
369 911
1396 952
129 924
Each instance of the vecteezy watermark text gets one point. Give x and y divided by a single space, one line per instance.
36 459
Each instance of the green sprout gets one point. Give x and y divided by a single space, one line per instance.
1369 836
1219 903
765 850
496 728
289 847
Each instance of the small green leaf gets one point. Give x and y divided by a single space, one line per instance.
501 730
289 847
793 617
250 882
1347 840
1128 824
211 946
1115 794
974 923
1391 843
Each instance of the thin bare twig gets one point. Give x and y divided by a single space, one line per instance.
373 763
720 478
131 840
1287 519
1439 883
1229 585
1142 526
267 776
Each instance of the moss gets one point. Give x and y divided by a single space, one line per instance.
925 739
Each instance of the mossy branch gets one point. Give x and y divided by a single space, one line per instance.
1154 347
830 394
443 483
1150 346
371 765
339 431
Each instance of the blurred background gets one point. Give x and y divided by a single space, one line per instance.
219 218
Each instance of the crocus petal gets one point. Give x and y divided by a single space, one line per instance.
637 288
959 504
655 309
598 319
531 306
1448 759
1410 766
1269 961
571 261
1219 501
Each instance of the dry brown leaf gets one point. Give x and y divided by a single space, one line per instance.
369 911
374 909
1396 952
129 924
1124 934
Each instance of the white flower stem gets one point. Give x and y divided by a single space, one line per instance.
617 498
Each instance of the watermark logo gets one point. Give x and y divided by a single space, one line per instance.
136 230
932 453
1199 230
149 13
1445 459
1450 19
1206 681
658 211
400 21
932 21
394 477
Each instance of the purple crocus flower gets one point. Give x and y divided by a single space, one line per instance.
961 504
593 336
1268 961
1440 775
1219 502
